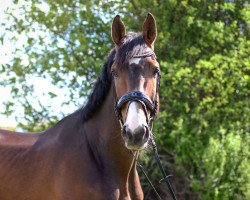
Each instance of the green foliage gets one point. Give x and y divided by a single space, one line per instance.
205 101
203 48
63 40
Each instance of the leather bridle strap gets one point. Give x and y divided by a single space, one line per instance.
146 54
165 176
139 97
135 96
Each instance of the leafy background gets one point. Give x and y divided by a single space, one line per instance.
203 48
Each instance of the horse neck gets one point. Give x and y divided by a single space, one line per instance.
104 137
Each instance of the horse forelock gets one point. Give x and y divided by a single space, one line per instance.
133 45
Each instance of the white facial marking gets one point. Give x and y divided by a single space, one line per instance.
134 61
135 116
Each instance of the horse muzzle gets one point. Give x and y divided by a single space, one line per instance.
135 124
135 129
136 139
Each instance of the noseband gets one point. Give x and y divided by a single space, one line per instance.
138 96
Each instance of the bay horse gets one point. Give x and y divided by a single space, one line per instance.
91 154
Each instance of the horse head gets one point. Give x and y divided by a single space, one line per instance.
136 75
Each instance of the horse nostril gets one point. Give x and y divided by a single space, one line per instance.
127 132
140 134
146 136
124 130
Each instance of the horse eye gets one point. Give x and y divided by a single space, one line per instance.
156 71
114 73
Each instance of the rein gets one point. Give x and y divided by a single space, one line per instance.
163 172
146 103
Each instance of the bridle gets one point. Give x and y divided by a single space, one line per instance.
145 100
152 106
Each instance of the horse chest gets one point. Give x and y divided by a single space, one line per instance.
101 189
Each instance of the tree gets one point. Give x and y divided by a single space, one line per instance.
203 48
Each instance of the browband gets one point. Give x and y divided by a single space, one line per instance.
146 54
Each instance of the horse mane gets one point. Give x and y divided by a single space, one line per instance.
100 90
133 44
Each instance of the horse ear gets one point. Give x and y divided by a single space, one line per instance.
118 30
149 30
